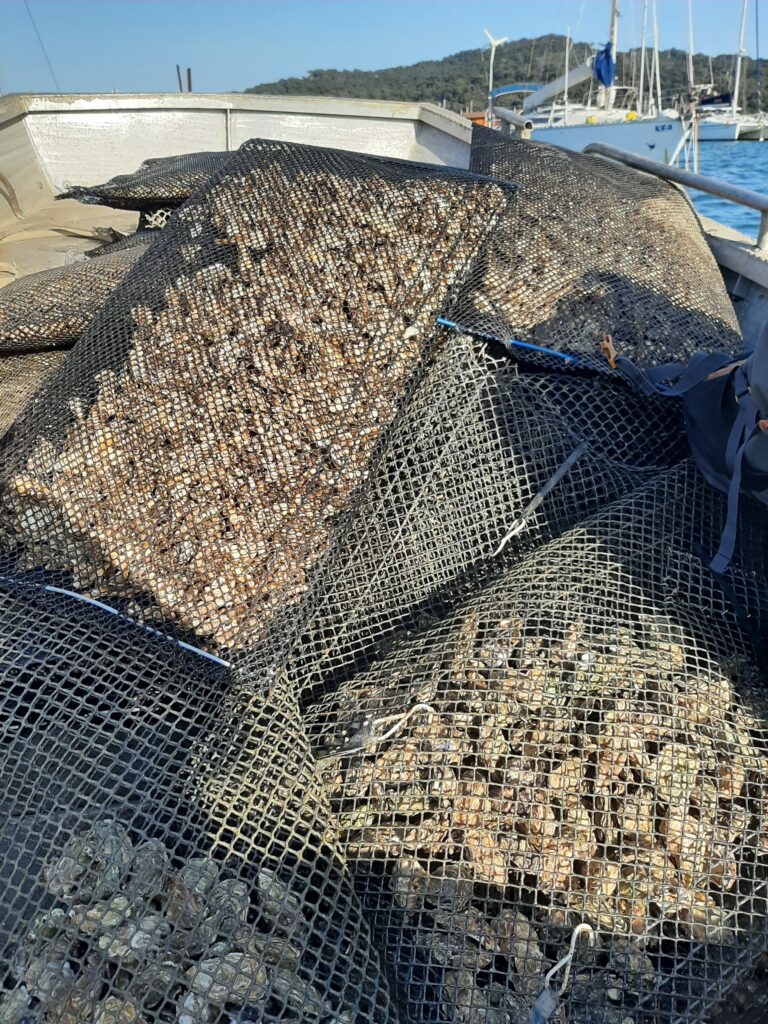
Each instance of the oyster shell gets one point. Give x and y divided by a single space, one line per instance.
91 865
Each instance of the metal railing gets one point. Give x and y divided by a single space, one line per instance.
700 182
508 118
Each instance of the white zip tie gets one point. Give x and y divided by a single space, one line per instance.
49 588
557 476
399 720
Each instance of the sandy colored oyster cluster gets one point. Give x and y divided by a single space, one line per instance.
133 939
586 777
52 308
208 472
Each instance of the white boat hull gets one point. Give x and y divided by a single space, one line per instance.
718 131
654 138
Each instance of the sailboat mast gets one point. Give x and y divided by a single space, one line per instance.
612 37
757 55
656 58
641 90
690 49
739 56
567 69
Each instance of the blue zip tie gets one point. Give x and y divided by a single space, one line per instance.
508 341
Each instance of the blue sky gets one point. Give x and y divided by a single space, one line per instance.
134 45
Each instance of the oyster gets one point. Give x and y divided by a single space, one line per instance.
15 1006
117 1010
49 978
228 978
149 871
92 865
229 903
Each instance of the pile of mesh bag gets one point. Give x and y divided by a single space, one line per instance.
361 658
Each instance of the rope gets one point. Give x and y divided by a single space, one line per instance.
42 47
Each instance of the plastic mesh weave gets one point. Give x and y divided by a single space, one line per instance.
483 688
52 308
594 249
582 740
20 377
481 441
161 181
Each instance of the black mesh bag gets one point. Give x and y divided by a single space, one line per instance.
52 308
225 405
159 182
20 377
594 259
128 893
583 741
173 858
140 237
484 459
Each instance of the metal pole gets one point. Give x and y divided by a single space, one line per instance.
565 90
613 36
757 56
656 58
189 79
690 49
178 76
641 92
739 56
762 233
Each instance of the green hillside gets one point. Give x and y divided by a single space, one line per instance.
461 79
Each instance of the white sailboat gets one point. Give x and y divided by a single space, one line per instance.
725 123
650 132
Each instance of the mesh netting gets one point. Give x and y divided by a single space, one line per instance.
496 460
594 254
161 181
582 741
140 237
125 898
346 667
52 308
226 404
20 377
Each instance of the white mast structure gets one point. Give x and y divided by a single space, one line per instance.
656 59
690 49
494 43
610 93
739 56
567 63
641 89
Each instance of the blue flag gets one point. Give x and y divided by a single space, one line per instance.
603 66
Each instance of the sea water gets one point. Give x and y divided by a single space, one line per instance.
738 163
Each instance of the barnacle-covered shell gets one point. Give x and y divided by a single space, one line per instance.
117 1010
104 916
91 865
136 938
48 977
230 978
199 875
54 922
149 870
80 1004
280 906
299 995
153 982
192 1008
15 1006
229 903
